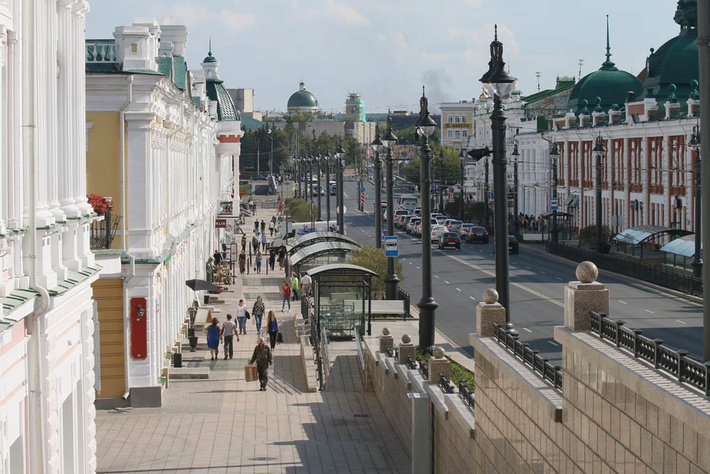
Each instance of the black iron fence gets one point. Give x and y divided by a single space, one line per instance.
103 232
404 296
673 361
540 365
658 274
467 394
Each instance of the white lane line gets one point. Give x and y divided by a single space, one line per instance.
446 282
458 289
649 311
543 273
554 343
436 276
417 268
519 285
526 329
623 302
411 263
559 278
528 267
474 299
681 322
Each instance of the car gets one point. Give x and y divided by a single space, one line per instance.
449 239
436 231
453 224
417 211
333 188
464 230
513 246
413 222
404 220
441 219
478 234
258 177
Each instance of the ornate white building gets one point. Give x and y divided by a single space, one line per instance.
47 267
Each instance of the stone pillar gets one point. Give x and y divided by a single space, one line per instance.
386 341
406 349
584 296
489 313
439 365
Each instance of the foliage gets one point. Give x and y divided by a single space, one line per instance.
473 211
101 204
588 235
445 166
374 259
458 371
244 189
298 209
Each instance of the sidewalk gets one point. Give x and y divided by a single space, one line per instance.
224 424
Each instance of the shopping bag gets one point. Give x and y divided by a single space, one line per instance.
250 374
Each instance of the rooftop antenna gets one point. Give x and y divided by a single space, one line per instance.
581 63
537 74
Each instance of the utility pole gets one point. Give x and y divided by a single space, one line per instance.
704 61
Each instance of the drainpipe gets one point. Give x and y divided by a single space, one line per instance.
36 328
124 249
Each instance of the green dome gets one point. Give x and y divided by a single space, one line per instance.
209 58
302 99
608 83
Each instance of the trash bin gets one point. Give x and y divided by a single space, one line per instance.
177 360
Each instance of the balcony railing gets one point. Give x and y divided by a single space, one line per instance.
101 52
103 232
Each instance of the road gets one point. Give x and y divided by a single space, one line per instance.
536 290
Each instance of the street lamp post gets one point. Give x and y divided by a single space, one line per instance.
554 156
427 306
694 145
327 190
600 152
516 219
340 153
391 280
271 155
499 83
376 147
486 206
440 180
462 158
318 186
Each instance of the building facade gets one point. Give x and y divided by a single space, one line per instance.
456 123
48 319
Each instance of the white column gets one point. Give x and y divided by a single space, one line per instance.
5 156
14 196
79 131
53 115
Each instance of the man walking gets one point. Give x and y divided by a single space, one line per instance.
294 286
263 226
229 330
306 285
263 241
263 358
271 228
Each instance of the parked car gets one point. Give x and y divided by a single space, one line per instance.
478 234
449 239
464 230
436 231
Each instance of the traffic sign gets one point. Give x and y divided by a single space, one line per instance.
490 195
296 186
392 246
554 204
364 177
362 190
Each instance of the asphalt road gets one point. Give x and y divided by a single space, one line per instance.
536 289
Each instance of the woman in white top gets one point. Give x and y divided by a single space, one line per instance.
242 317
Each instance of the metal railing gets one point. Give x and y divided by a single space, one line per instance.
423 368
360 354
540 365
658 274
467 394
325 357
104 231
670 360
404 296
446 384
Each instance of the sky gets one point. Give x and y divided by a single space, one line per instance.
387 49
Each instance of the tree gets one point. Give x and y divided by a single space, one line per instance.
588 235
375 260
298 209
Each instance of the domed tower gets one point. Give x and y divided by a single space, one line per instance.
216 91
676 62
608 83
302 101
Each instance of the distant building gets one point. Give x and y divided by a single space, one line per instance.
302 101
456 123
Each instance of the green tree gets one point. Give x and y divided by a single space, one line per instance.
375 260
588 235
298 209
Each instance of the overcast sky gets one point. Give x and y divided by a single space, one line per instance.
387 49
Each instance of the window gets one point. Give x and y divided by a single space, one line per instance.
451 119
463 119
464 133
456 119
458 134
450 134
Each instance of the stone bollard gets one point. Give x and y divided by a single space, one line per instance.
407 349
488 313
438 365
386 341
584 296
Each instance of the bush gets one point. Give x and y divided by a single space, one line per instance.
588 235
298 209
375 260
458 371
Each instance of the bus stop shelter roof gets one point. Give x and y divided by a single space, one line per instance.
313 237
641 234
340 269
321 248
683 246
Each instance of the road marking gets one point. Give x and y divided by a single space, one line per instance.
559 278
526 329
519 285
458 289
474 299
623 302
528 267
681 322
554 343
436 276
411 263
417 268
648 311
543 273
446 282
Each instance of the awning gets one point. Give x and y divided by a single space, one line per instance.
637 235
316 237
683 246
572 200
320 249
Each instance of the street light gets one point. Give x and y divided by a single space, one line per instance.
462 158
554 156
694 145
339 154
327 186
318 186
516 219
600 153
498 83
440 179
271 156
376 146
425 127
391 280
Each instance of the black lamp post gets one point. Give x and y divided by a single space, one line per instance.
319 189
516 219
498 83
694 145
271 155
340 154
554 156
427 306
327 187
376 147
600 153
440 179
462 158
391 280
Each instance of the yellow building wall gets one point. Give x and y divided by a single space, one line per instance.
108 294
103 161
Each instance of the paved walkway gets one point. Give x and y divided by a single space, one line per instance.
224 424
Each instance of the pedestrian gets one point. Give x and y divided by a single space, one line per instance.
256 226
258 262
217 258
263 358
282 257
213 339
306 285
258 312
273 220
294 286
229 330
242 262
244 242
254 243
263 226
272 258
272 325
242 317
271 228
286 293
263 241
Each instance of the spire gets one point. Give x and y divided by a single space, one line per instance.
608 65
209 53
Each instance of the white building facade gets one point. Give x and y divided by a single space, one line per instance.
48 319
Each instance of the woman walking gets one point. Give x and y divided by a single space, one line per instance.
242 262
286 294
242 317
272 258
258 312
294 286
258 262
213 338
272 325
